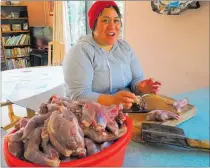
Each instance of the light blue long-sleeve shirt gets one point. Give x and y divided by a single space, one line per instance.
90 70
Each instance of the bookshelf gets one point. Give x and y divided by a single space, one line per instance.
20 31
15 36
14 18
3 65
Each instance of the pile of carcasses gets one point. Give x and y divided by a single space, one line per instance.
65 130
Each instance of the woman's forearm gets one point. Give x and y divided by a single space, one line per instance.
139 88
106 99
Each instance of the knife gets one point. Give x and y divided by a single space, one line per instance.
135 111
157 133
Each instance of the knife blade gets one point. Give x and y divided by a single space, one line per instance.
135 111
157 133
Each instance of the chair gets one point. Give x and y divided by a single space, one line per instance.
55 53
13 118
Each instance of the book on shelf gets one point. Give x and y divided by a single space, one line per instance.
3 65
17 63
22 39
15 52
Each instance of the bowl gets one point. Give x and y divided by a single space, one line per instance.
111 156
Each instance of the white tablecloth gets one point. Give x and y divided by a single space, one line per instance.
28 87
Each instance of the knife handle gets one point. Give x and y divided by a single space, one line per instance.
204 144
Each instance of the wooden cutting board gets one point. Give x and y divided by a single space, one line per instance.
162 103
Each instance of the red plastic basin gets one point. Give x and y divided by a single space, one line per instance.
111 156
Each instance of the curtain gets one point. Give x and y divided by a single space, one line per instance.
61 28
58 21
76 19
66 28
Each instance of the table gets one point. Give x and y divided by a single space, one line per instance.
29 87
158 155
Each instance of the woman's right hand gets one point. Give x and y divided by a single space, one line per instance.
124 97
148 86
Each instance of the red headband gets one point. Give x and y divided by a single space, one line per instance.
96 9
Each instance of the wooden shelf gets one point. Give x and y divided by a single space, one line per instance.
22 10
21 31
14 18
16 45
13 5
17 57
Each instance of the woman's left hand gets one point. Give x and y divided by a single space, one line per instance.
148 86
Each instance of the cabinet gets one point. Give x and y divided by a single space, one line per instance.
15 36
38 58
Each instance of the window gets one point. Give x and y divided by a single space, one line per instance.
77 14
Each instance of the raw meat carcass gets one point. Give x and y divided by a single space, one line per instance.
16 148
179 104
16 136
161 115
22 123
33 154
111 115
65 133
97 137
101 117
48 149
106 144
59 100
89 113
95 115
15 144
48 107
92 148
34 123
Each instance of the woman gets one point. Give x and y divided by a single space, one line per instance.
103 68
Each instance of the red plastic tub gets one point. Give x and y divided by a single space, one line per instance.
111 156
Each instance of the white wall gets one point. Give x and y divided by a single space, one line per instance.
172 49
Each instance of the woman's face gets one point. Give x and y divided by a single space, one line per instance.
108 27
